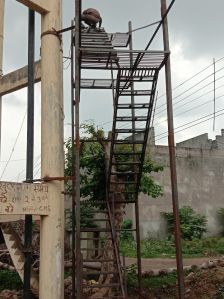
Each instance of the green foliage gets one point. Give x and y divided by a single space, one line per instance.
192 225
221 218
92 165
10 280
132 279
148 185
126 235
154 248
93 172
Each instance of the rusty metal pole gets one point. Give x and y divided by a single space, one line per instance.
2 10
73 162
137 222
177 232
77 147
52 154
27 294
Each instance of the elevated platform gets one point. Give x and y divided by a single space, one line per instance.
98 58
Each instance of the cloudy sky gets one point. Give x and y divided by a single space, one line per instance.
196 37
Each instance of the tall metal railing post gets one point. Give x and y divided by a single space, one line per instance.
138 238
27 294
172 153
77 145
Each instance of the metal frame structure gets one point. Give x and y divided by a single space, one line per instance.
125 152
94 50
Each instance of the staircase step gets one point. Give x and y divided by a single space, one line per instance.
123 183
127 153
126 163
130 131
125 141
133 106
129 118
123 173
86 219
135 92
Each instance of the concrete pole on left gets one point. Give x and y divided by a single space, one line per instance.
52 154
2 10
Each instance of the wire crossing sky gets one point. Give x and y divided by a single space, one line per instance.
196 37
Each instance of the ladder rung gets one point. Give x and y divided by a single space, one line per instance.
127 153
124 173
129 118
129 141
123 183
136 92
87 219
125 201
126 163
123 192
133 106
129 130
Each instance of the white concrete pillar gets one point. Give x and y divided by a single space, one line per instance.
52 155
2 10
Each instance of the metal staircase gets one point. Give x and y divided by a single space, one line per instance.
15 248
134 92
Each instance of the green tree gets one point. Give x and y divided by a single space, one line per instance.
93 164
93 167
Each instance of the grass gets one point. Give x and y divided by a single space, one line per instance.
153 248
10 280
158 281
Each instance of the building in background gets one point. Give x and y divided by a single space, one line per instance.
200 174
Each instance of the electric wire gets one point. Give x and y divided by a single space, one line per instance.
14 145
190 126
193 121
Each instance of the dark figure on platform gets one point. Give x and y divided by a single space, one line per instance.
91 17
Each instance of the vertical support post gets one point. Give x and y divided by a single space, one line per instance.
2 10
29 151
137 223
52 158
77 146
179 259
73 163
214 90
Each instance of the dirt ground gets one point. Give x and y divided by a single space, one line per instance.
200 284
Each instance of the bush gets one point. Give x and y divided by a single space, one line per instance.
126 235
221 218
10 280
192 225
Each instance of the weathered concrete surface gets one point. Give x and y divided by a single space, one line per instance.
40 6
200 175
18 79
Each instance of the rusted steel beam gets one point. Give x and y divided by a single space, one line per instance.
173 171
18 79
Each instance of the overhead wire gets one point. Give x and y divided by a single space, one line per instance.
14 145
200 118
190 126
181 84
